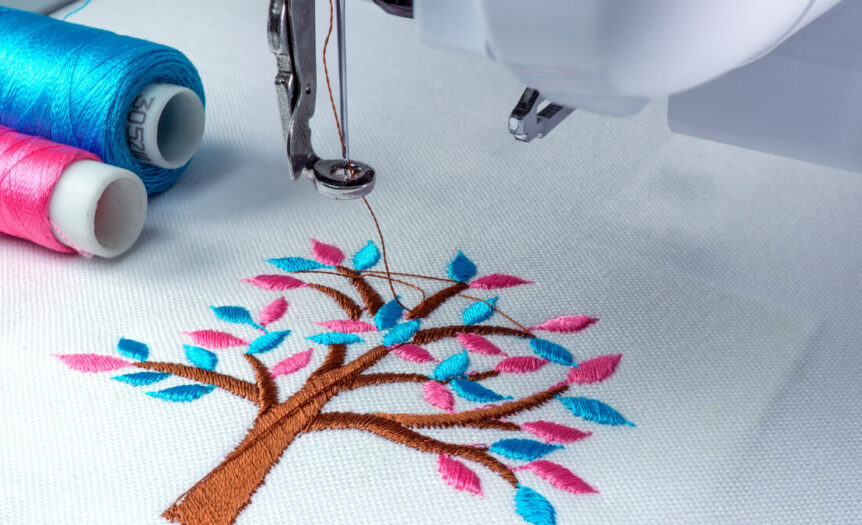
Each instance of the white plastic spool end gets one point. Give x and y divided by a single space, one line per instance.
165 125
98 208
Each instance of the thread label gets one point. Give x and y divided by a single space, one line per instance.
135 127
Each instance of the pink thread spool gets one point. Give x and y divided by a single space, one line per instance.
65 199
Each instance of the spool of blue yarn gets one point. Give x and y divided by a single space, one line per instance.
75 85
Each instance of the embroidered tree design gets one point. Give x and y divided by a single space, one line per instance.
220 496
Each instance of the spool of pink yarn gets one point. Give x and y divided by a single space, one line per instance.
65 199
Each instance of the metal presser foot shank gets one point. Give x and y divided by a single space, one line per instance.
291 33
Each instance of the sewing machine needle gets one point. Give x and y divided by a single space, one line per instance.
342 75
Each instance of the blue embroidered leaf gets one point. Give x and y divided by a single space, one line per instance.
479 311
473 391
523 449
142 378
552 352
297 264
388 315
133 349
234 314
367 257
454 366
461 268
594 410
534 507
267 342
335 338
401 333
201 357
182 393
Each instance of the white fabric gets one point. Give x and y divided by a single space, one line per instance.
728 279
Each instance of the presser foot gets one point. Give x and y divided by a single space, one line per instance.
333 179
527 121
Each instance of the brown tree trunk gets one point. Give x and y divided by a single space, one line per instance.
223 493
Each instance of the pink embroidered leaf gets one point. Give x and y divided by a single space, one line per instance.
437 395
347 327
93 362
520 365
215 340
594 370
273 312
292 364
326 253
275 282
413 353
554 432
567 324
458 475
496 281
478 344
558 476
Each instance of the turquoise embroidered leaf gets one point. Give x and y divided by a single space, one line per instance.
234 314
401 333
335 338
367 257
201 357
461 268
479 311
142 378
594 410
267 342
297 264
534 507
552 352
182 393
388 315
451 367
522 449
473 391
133 349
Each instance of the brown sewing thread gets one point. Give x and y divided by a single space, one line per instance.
346 303
426 307
516 323
383 249
267 391
369 295
244 389
429 335
329 86
391 430
416 275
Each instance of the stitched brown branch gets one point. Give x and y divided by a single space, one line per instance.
495 424
426 307
435 334
233 385
334 359
384 378
266 387
369 295
478 415
397 433
346 303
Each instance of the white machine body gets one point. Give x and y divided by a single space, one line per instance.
737 71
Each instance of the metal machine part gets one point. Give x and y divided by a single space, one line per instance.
291 34
402 8
527 121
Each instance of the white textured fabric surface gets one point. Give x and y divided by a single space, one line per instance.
728 279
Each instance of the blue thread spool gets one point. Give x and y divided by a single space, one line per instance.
77 85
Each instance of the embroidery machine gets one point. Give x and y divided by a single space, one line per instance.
730 67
